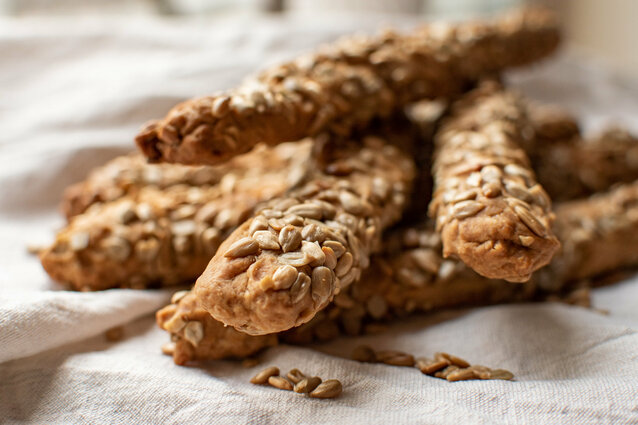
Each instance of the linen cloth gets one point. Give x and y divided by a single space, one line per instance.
73 94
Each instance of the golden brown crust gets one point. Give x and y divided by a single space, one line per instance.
345 86
598 235
491 212
289 260
165 235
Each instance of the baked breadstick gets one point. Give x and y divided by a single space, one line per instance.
598 236
290 259
570 166
166 235
345 86
488 207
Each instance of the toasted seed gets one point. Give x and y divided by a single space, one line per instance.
517 170
465 195
280 382
331 258
168 348
284 277
295 375
79 241
175 324
344 264
194 332
348 278
266 239
443 374
427 260
530 221
336 247
377 306
395 358
147 249
220 106
242 248
474 179
526 240
352 203
328 389
322 284
461 375
314 252
306 210
364 353
466 209
177 296
271 213
296 258
501 374
491 174
313 233
289 238
307 385
295 220
262 377
491 190
429 367
518 191
277 223
300 288
457 361
481 372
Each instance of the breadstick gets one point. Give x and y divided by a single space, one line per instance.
598 235
346 85
162 235
490 210
290 259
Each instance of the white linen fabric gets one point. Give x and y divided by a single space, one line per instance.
73 95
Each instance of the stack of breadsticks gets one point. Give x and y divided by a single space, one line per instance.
299 210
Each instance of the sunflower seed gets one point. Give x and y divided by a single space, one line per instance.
306 210
501 374
307 385
453 360
277 224
491 174
461 375
259 223
284 277
295 259
331 258
300 288
175 324
79 241
294 220
344 264
465 195
377 307
177 296
313 233
116 248
491 190
466 209
353 204
220 106
266 239
328 389
348 278
280 382
314 252
526 240
194 332
429 367
518 191
395 358
168 348
336 247
289 238
530 220
322 284
262 377
443 374
242 248
365 354
295 375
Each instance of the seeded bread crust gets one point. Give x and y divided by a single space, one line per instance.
163 235
491 212
345 85
597 236
288 261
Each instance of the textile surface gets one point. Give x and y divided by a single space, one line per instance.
73 95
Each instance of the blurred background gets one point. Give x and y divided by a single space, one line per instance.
605 29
